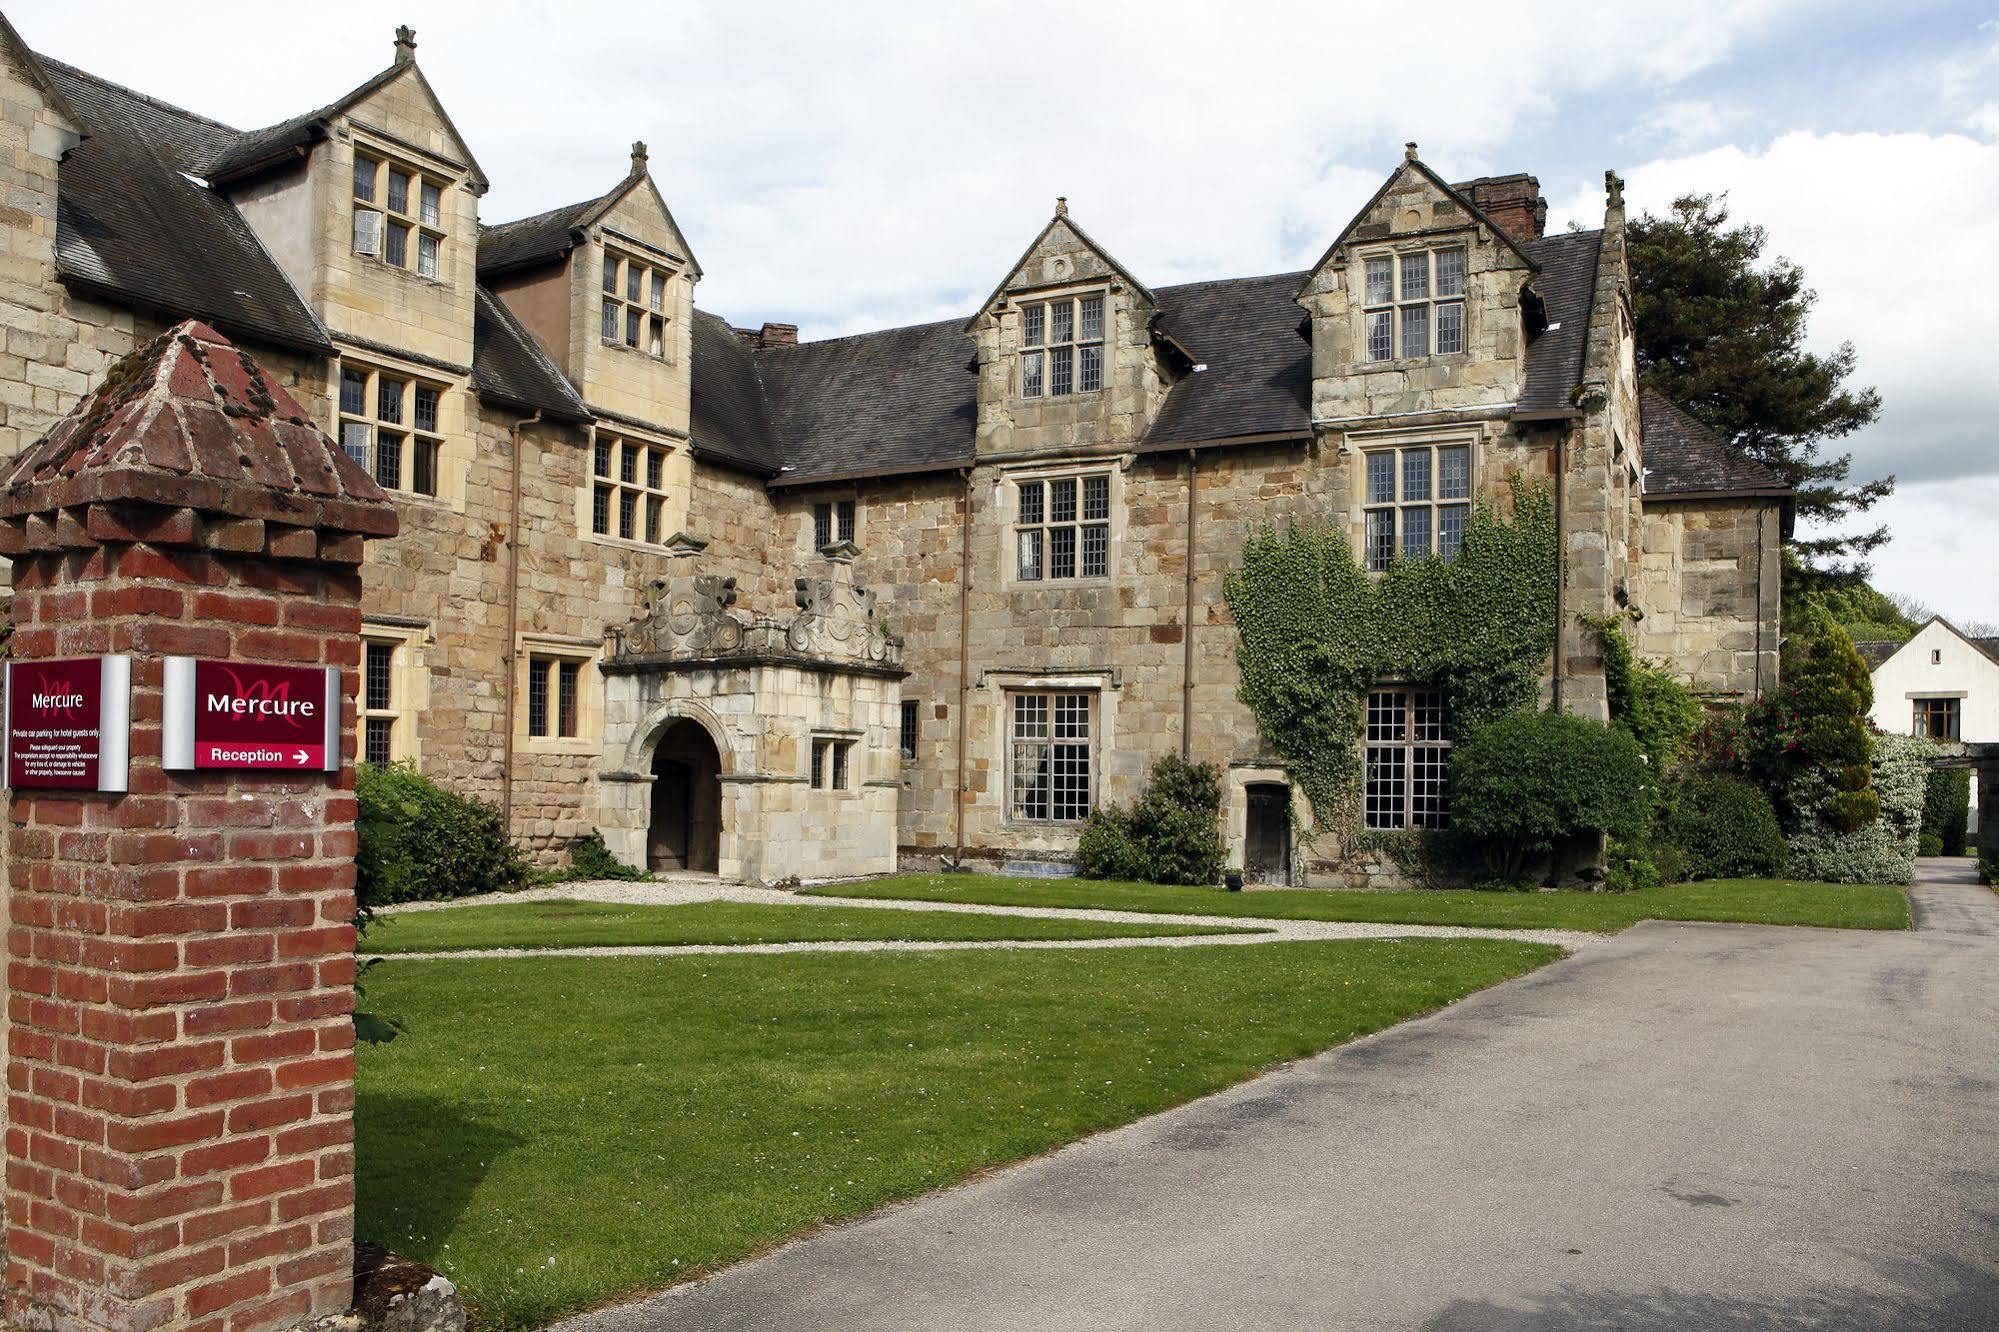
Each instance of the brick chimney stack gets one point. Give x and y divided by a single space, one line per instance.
1514 204
770 335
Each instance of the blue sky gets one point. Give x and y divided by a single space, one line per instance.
867 164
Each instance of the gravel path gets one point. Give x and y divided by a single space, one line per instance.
671 893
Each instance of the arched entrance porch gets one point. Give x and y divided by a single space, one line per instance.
685 828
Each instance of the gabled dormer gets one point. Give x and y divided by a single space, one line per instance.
1417 306
1066 351
607 287
371 206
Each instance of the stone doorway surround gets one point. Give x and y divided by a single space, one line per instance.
1238 781
762 690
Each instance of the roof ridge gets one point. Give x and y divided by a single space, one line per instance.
542 216
150 100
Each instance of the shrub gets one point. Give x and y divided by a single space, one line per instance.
1724 827
1645 699
417 841
589 859
1172 834
1525 784
1988 866
1946 811
1883 851
1814 744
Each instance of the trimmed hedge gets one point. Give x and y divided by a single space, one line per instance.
1172 834
1946 811
1723 828
1527 783
418 842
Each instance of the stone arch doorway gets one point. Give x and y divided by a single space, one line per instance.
685 831
1266 848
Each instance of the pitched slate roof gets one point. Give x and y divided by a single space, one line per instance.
874 404
1876 651
190 420
509 366
1684 457
1258 379
130 224
1567 286
730 418
542 238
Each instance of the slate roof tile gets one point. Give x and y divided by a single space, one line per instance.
509 366
1684 457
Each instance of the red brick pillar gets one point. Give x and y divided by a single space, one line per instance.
180 1067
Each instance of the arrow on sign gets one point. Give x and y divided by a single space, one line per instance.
301 758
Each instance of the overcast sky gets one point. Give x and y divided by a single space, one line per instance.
857 165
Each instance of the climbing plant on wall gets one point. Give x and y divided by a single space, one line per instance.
1317 631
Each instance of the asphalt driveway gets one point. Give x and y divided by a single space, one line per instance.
1687 1127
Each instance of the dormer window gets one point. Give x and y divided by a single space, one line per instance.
634 311
398 215
1415 304
1062 346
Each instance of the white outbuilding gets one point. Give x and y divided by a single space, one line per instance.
1941 683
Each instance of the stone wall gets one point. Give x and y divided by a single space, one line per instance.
1709 588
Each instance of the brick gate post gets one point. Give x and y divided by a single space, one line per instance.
180 1068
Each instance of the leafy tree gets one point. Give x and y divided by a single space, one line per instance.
1811 746
1723 334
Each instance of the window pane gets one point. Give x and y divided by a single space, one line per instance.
426 256
1429 786
1450 327
1071 775
1415 276
631 328
1030 553
1030 781
354 391
1387 779
1090 369
1415 474
1096 551
1096 498
1387 715
1416 330
1381 336
1093 318
1062 500
604 455
568 678
600 511
658 292
610 274
1454 472
354 438
609 331
399 191
1415 533
538 695
628 512
380 745
389 461
1451 520
1030 717
367 232
1031 375
433 211
911 723
1380 282
655 465
396 244
822 526
1061 322
1061 552
381 677
1450 272
1031 325
389 400
654 508
1061 366
426 408
844 512
634 275
1380 539
1381 477
628 463
656 338
1030 501
423 466
841 750
1428 711
364 177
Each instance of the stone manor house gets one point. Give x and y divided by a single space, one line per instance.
920 596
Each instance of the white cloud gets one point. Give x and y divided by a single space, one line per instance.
1943 551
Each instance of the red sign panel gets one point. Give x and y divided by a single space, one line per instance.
234 714
64 726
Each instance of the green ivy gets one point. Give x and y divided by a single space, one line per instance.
1660 713
1317 632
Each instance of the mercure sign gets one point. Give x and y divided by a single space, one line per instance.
234 714
68 723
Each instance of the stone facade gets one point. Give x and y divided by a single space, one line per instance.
551 522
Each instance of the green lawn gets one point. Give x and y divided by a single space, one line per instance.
553 1132
1757 901
564 923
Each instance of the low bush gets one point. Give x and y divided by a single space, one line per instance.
417 841
590 859
1946 811
1527 783
1988 867
1724 828
1171 834
1883 851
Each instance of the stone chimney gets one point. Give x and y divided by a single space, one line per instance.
405 44
770 335
1514 204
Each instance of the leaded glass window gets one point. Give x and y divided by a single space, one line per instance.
1062 346
1062 527
1417 502
1406 751
1414 304
1052 756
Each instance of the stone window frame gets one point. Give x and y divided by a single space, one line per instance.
833 762
636 291
1052 701
548 654
834 521
1948 708
1399 303
909 729
415 441
1361 446
649 491
1405 767
1012 486
408 684
1037 356
420 223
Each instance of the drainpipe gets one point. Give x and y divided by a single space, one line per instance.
1187 620
1762 541
1561 564
964 658
511 655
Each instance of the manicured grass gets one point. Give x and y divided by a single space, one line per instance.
564 923
553 1132
1757 901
